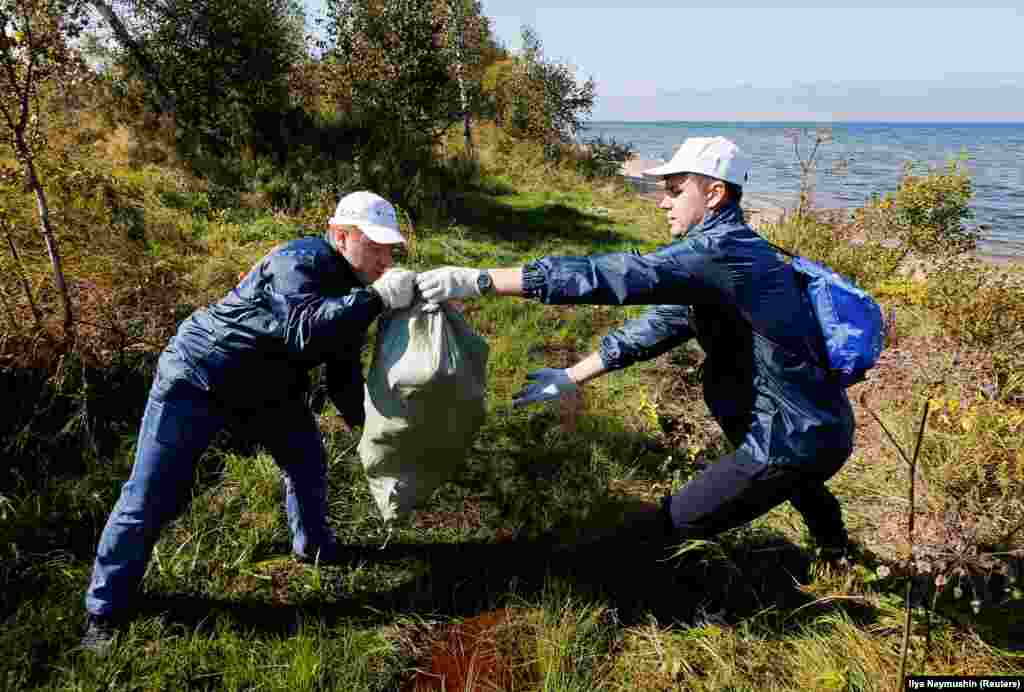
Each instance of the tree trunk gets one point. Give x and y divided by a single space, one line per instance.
23 280
164 98
48 236
459 69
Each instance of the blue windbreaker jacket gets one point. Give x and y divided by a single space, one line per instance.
727 286
301 306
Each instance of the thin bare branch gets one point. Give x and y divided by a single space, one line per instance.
908 620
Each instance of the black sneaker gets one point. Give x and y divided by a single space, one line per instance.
329 554
847 554
99 636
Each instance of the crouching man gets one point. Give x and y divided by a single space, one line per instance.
791 423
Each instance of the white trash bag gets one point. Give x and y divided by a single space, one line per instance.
424 403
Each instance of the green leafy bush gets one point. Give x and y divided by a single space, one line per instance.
602 158
538 99
267 228
926 215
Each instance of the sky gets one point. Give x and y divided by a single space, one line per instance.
659 61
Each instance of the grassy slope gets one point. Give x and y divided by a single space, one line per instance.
226 609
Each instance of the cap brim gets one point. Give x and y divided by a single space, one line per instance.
381 234
664 169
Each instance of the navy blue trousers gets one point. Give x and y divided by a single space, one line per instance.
737 489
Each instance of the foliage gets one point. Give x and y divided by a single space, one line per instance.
226 63
35 52
926 215
602 158
538 99
36 57
391 63
867 262
981 305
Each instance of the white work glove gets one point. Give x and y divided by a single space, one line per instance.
548 384
396 288
445 283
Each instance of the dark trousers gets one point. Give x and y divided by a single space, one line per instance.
177 427
737 489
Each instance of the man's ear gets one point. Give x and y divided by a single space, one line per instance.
715 194
339 236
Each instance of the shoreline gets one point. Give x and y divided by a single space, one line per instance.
759 211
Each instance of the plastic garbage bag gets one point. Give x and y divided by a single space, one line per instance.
424 404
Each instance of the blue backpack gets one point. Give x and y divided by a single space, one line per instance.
852 327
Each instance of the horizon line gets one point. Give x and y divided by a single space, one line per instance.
817 122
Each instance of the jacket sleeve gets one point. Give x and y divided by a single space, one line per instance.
345 387
673 275
317 327
657 331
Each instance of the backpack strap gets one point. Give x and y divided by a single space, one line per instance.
814 359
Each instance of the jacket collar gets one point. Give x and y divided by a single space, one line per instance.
726 214
329 239
346 268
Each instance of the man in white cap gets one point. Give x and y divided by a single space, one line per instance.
244 361
790 423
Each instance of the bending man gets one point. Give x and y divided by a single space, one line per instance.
244 361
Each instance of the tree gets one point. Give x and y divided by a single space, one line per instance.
393 63
536 98
220 66
34 55
165 98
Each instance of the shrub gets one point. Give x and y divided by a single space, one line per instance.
834 244
981 305
602 158
926 215
538 99
974 462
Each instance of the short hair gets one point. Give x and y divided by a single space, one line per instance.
734 191
343 227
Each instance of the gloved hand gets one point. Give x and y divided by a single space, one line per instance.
396 287
445 283
548 384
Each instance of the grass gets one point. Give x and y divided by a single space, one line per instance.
464 588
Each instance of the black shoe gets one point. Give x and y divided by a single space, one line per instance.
100 634
634 524
329 554
845 554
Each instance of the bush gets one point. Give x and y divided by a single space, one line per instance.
926 215
974 463
833 243
538 99
266 229
603 159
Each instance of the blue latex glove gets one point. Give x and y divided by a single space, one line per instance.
546 384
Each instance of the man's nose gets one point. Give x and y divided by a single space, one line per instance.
665 203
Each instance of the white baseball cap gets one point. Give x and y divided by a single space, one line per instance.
370 213
715 157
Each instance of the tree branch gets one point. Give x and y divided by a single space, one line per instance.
164 97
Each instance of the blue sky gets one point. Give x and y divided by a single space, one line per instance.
661 61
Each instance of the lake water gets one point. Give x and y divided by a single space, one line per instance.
861 159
